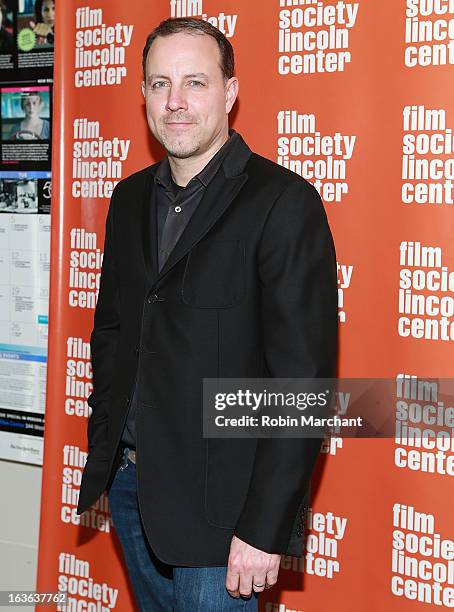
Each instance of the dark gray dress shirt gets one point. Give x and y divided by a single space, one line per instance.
175 206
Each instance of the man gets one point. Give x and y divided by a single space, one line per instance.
217 263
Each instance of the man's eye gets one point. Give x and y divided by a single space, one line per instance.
196 82
157 84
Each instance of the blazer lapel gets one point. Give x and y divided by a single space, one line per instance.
218 196
149 227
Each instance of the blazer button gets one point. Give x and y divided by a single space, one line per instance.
152 299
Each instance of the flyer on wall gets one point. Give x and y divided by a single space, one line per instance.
26 39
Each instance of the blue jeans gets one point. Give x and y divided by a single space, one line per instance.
159 587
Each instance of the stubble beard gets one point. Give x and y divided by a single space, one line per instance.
182 146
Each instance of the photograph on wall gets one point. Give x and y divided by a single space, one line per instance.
7 37
35 33
25 126
26 195
27 35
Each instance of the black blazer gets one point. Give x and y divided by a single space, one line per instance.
250 290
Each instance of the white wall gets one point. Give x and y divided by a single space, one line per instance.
19 526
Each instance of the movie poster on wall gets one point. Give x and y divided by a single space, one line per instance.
27 37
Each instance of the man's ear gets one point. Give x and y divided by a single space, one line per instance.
232 88
143 88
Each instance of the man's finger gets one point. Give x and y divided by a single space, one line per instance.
259 582
271 578
232 583
246 584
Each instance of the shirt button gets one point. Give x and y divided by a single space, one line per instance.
177 209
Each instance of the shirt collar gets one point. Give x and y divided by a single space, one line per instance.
163 175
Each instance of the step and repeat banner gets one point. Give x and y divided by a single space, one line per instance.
356 97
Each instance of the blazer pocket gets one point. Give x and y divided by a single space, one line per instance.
214 275
228 472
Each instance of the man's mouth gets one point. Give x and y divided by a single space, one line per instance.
178 125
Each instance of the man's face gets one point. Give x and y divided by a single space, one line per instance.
186 98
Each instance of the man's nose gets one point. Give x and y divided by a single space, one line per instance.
176 99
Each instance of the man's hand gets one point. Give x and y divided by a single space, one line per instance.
250 569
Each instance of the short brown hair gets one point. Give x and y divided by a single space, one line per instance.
192 25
